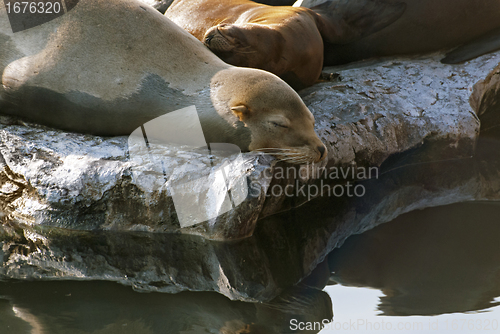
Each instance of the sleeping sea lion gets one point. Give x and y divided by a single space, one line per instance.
287 41
102 69
427 26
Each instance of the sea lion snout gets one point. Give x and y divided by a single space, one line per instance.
218 41
322 152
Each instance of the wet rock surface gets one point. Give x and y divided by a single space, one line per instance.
83 182
78 207
390 107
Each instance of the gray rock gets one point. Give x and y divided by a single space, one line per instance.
390 107
282 252
85 182
82 207
380 109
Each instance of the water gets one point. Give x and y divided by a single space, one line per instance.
431 271
356 312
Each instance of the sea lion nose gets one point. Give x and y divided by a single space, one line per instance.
322 151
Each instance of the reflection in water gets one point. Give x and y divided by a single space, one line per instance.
356 312
439 260
105 307
61 307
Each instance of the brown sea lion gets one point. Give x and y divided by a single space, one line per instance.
276 2
88 71
485 101
162 5
287 41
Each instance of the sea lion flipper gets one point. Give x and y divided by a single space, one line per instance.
489 42
159 5
344 21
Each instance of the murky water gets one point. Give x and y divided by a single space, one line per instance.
430 271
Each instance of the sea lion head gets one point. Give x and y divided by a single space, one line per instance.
247 45
279 122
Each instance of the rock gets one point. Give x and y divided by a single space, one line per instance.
53 178
383 109
83 207
252 269
379 110
83 182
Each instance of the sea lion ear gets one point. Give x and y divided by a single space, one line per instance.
241 111
345 21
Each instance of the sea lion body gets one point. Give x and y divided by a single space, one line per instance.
485 101
426 26
102 69
162 5
284 40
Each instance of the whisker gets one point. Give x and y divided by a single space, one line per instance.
287 155
246 49
285 158
272 149
295 160
247 52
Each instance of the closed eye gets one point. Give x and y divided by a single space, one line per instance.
276 124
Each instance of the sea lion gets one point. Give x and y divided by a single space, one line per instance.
162 5
426 26
487 43
276 2
485 101
287 41
102 69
